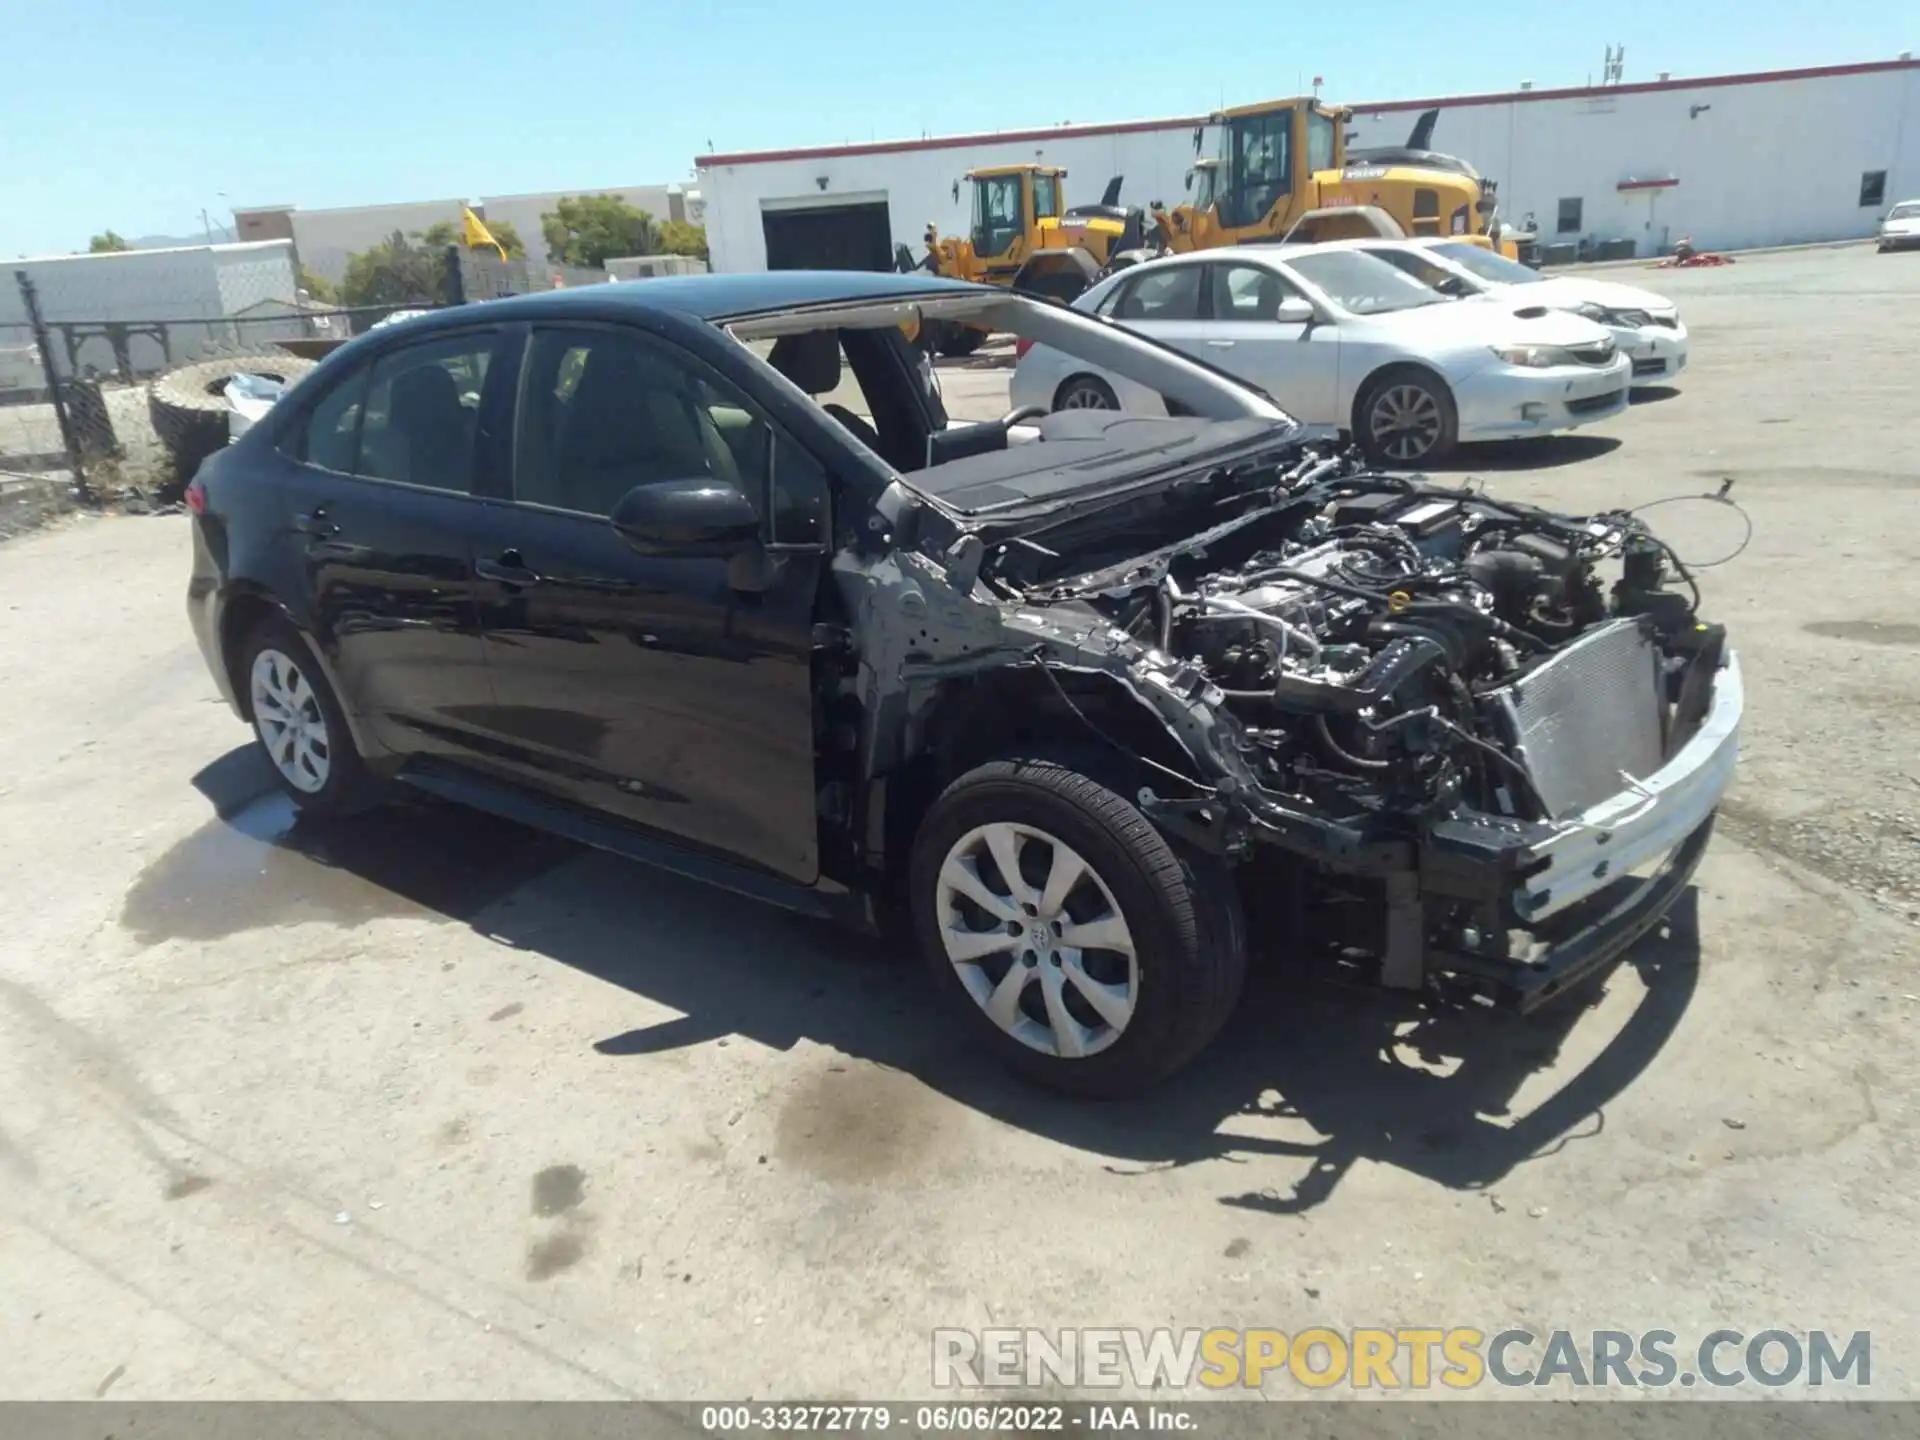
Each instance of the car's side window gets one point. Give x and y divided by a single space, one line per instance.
330 438
422 409
1246 292
1169 294
1411 262
604 411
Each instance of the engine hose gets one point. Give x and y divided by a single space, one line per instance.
1345 757
1492 623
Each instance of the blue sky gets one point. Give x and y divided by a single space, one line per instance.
347 102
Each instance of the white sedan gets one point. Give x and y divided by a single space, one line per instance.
1342 338
1901 229
1644 325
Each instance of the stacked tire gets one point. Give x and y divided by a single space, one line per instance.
188 407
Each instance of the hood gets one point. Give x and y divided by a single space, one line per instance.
1093 452
1905 225
1566 290
1499 318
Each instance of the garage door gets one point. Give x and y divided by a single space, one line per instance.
830 237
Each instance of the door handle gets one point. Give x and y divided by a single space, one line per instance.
1219 344
508 570
316 523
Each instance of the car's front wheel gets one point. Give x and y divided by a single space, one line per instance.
1407 417
1087 953
298 721
1086 392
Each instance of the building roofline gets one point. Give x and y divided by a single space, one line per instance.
1361 107
947 142
219 247
1643 87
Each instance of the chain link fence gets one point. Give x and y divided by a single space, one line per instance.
112 368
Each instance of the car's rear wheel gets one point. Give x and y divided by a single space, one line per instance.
298 721
1082 949
1086 392
1407 417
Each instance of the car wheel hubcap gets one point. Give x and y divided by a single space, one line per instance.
1036 938
291 725
1084 397
1406 422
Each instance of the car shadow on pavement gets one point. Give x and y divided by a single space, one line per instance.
1311 1078
1653 394
1548 452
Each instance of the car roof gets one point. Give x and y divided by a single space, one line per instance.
723 297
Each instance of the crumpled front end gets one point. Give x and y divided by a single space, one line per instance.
1468 737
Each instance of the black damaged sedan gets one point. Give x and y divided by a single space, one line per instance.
699 570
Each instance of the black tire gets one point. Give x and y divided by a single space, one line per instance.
1182 913
1063 287
1398 388
961 341
348 786
189 410
1085 392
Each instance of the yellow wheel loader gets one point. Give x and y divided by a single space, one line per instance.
1022 237
1260 169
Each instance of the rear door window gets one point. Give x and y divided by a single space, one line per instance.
422 412
1169 294
330 438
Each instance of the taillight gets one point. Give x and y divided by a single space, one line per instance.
1020 348
197 498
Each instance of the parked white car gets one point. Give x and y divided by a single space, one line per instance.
1644 325
1901 229
1339 337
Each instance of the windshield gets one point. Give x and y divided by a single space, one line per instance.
1905 210
1362 284
1486 264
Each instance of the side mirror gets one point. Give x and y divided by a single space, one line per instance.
1294 311
698 516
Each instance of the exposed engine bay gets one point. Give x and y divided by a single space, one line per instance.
1449 705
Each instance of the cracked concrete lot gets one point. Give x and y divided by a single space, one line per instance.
427 1106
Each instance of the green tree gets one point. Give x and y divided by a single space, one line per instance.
318 288
107 243
680 237
443 233
396 272
589 230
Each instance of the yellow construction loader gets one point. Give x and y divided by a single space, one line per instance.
1022 236
1259 169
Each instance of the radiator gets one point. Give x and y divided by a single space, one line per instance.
1589 716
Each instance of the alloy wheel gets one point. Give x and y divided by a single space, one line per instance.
1084 397
1035 936
1405 421
292 726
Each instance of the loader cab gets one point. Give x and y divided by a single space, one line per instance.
1262 158
1009 202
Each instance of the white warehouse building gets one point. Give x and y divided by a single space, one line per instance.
1731 161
